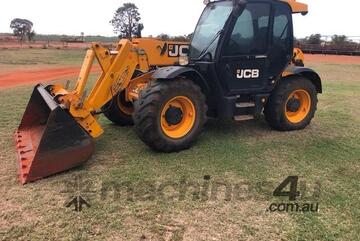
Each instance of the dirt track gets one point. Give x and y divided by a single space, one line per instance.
16 78
41 44
332 59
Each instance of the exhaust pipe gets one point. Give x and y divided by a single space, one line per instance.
49 140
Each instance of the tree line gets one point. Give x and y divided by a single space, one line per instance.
318 39
127 23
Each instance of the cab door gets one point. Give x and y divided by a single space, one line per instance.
282 39
243 62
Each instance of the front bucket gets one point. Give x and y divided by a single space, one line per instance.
49 140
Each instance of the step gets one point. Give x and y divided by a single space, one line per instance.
244 117
245 104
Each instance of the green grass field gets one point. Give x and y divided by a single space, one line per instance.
250 153
13 59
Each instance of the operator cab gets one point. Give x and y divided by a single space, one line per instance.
243 46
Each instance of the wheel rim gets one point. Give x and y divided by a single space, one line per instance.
298 106
127 109
178 117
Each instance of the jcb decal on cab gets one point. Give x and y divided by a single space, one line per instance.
247 73
178 50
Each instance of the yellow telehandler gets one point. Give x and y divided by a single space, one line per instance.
239 64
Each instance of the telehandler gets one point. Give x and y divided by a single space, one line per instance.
238 65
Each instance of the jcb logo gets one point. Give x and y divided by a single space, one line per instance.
248 73
178 50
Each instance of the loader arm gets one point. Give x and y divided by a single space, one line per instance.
118 68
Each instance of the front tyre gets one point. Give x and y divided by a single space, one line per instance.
119 111
170 114
292 105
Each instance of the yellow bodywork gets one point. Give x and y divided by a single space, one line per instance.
298 55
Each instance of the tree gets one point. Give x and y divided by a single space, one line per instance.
126 21
22 28
339 39
140 28
164 36
190 36
314 39
31 35
180 38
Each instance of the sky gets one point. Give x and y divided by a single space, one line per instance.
173 17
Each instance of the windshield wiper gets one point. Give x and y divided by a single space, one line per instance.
204 52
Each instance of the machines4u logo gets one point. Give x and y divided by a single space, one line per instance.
289 188
79 191
178 50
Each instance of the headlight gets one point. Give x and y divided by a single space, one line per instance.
183 60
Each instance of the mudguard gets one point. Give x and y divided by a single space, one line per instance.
173 72
307 73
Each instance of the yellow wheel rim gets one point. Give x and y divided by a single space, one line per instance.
125 109
181 124
298 106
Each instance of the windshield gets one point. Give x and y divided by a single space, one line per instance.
211 22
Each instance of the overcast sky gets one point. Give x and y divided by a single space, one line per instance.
163 16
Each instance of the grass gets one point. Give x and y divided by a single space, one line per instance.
328 152
14 59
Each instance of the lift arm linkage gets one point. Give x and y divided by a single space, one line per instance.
118 68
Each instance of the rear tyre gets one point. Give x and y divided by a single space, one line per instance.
292 105
170 114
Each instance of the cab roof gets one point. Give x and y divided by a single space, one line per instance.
296 7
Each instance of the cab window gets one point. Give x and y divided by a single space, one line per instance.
250 33
282 28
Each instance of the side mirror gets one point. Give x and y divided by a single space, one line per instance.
238 6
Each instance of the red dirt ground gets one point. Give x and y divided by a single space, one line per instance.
16 78
34 76
40 44
332 59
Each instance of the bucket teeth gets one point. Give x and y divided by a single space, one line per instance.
25 154
48 147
